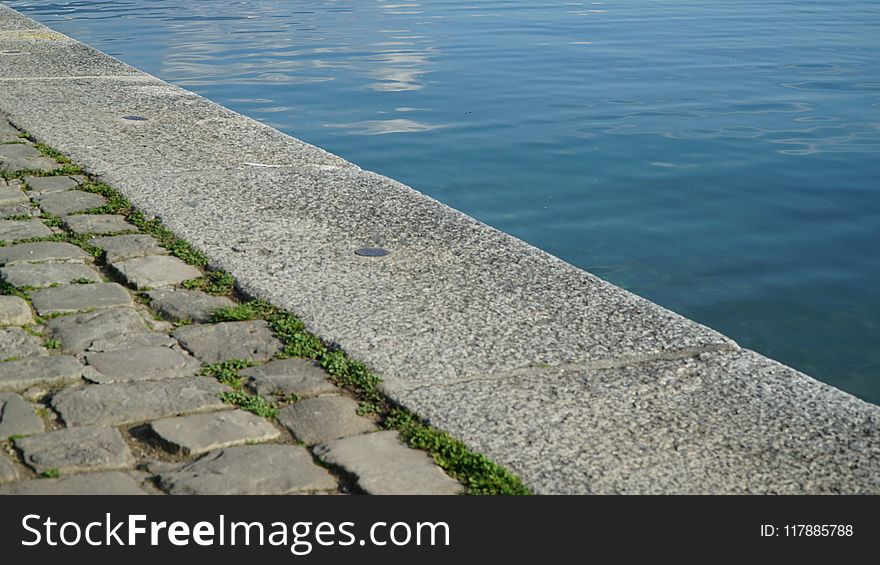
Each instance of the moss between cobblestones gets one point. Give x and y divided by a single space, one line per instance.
475 471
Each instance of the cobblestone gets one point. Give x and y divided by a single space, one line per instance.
325 418
382 464
121 247
97 224
110 483
12 230
138 364
69 202
42 251
48 185
14 311
155 271
124 403
77 332
193 435
187 305
17 417
284 377
79 298
40 275
15 344
49 371
250 469
76 450
213 343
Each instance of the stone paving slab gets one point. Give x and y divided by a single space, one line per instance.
17 417
80 297
124 403
121 247
72 201
687 426
15 343
77 332
14 311
284 377
451 283
108 483
213 343
11 230
8 134
382 464
187 305
132 341
8 472
20 157
169 138
47 274
155 271
97 224
139 364
48 185
194 435
318 420
250 469
51 371
41 252
10 195
76 450
15 210
47 53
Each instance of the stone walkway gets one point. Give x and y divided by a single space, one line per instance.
101 358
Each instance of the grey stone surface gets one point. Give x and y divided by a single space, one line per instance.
41 252
63 203
80 297
193 435
17 417
107 483
76 333
11 194
55 370
97 224
250 469
155 271
16 343
179 124
451 284
8 134
318 420
125 403
382 464
213 343
15 210
11 230
76 450
48 185
46 274
129 341
14 311
21 157
182 305
10 20
721 423
284 377
120 247
139 364
43 53
8 472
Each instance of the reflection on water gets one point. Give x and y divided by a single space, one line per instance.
718 157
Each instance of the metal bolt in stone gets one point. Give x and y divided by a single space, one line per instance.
134 118
371 252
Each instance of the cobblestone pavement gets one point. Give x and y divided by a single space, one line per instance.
101 357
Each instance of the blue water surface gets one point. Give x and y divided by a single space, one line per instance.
717 157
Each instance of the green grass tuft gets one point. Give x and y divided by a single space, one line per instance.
475 471
251 403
